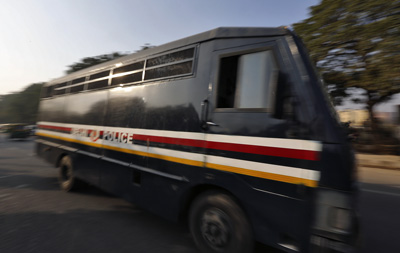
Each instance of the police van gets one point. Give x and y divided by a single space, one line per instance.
229 130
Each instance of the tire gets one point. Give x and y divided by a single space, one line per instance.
219 225
68 182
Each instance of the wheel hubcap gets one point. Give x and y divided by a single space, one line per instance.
215 228
66 173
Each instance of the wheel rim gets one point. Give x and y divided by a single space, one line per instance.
215 228
66 173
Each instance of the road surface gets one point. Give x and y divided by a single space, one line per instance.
380 210
35 216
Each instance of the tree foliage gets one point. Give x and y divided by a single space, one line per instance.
20 107
356 44
145 47
91 61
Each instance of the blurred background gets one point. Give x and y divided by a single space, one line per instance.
355 45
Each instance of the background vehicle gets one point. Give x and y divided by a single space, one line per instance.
229 129
17 131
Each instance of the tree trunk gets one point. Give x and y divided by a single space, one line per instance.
372 120
376 134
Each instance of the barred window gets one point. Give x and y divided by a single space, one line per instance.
77 88
99 75
78 80
168 65
98 84
246 81
59 89
169 71
171 57
135 77
130 67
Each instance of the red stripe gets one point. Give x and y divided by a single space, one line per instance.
169 140
65 129
261 150
243 148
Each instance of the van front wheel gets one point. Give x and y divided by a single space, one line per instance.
218 224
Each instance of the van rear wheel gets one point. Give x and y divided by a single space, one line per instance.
66 177
218 224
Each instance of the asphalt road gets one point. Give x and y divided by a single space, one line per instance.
35 216
380 210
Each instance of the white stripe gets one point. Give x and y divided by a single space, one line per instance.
42 131
232 139
59 124
266 142
162 133
158 151
178 154
264 167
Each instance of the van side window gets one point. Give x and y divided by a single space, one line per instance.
247 81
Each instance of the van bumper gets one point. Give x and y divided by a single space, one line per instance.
336 227
320 244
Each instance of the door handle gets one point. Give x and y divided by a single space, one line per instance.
204 115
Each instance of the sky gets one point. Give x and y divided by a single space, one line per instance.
39 39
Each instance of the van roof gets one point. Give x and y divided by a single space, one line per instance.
218 33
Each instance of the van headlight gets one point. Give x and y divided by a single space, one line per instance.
334 214
340 218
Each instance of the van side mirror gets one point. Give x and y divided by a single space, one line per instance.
285 104
284 100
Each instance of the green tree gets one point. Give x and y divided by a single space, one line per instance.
356 44
145 47
21 107
91 61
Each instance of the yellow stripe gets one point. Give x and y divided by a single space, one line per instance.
253 173
261 174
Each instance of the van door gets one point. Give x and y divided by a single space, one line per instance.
250 124
251 133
